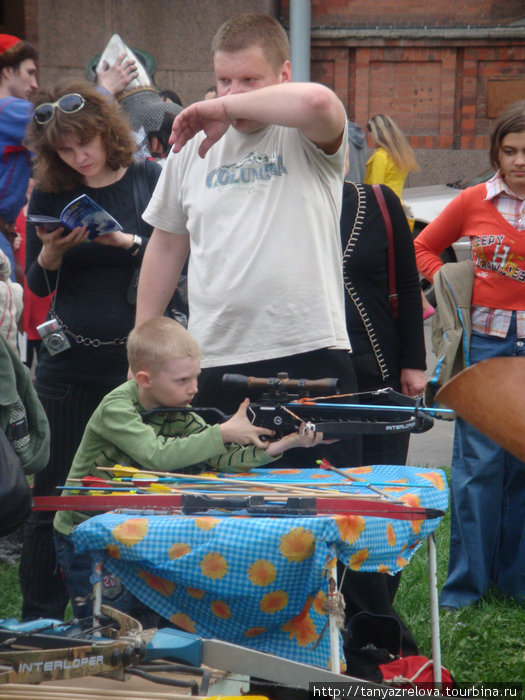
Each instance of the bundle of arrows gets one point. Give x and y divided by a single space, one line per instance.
131 488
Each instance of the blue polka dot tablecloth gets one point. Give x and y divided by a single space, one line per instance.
261 582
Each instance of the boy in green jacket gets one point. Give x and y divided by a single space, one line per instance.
164 360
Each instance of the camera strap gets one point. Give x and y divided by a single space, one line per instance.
50 291
80 339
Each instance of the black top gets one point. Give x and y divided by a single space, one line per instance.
371 326
91 297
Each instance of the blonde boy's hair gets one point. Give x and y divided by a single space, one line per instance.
154 342
244 31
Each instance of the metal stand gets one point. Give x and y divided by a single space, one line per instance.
434 610
335 664
96 580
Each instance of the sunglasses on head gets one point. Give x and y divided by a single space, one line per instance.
69 104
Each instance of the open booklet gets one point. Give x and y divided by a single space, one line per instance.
82 211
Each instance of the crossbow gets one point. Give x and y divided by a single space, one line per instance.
117 647
286 403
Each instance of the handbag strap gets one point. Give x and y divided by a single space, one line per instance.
392 287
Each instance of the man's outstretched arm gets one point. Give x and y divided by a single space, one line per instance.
313 108
160 271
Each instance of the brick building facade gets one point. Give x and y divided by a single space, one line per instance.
442 70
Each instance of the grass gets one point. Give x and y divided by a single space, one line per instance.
483 643
10 598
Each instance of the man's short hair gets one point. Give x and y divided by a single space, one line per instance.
250 29
17 53
157 340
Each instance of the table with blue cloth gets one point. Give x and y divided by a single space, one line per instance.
261 581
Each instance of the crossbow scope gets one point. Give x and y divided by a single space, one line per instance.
280 384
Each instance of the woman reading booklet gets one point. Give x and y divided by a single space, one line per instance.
82 146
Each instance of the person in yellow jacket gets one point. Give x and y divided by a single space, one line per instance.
393 157
390 163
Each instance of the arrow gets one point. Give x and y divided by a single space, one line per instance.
121 470
96 483
289 482
325 464
219 482
118 489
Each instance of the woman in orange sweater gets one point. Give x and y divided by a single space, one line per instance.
487 541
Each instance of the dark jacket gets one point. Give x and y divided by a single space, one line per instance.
396 344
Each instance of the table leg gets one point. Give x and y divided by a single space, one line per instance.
434 609
96 579
335 664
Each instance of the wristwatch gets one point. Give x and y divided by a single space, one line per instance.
137 242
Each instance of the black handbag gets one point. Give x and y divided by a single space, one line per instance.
15 494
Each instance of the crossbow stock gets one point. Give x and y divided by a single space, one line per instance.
286 403
41 650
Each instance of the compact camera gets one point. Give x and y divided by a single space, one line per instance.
53 336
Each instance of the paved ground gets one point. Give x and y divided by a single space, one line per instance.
433 448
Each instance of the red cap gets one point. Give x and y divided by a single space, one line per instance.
7 41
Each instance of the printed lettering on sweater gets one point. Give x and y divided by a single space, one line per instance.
495 254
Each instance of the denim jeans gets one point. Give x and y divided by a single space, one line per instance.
487 538
77 570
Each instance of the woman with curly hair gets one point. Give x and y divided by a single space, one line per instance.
82 144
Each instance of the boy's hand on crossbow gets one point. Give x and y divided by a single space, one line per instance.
240 430
306 436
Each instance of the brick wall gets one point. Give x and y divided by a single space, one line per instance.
442 70
442 96
31 21
411 13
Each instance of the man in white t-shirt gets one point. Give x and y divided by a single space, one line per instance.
253 188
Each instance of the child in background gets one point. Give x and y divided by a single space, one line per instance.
164 360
